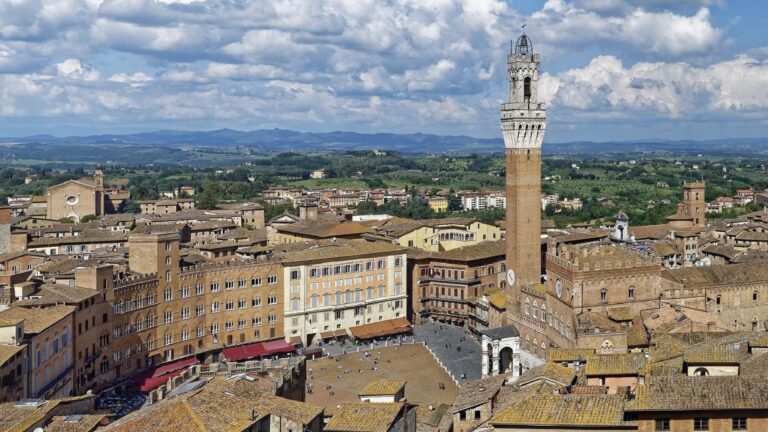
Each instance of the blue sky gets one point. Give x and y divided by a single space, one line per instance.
611 69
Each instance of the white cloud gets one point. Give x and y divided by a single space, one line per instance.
676 90
74 69
432 64
138 79
564 25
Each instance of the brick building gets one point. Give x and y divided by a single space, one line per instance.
445 285
175 312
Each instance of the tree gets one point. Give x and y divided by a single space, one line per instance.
367 207
454 203
208 199
87 218
375 183
549 210
130 206
273 210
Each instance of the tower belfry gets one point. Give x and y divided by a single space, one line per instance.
523 123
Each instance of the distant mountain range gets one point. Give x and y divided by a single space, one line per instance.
288 140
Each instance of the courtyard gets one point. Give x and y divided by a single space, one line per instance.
340 378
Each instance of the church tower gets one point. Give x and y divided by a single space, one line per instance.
694 203
98 182
523 123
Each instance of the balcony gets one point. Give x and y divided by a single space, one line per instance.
443 312
441 279
479 319
445 299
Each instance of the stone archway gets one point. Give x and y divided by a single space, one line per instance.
506 358
501 352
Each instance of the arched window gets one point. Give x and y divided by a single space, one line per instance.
603 295
527 89
527 306
535 346
754 295
528 343
631 293
718 299
543 350
544 312
535 309
701 372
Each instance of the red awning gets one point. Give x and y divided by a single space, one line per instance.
173 367
151 383
278 346
244 352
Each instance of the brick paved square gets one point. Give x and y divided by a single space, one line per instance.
410 362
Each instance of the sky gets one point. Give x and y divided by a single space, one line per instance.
611 69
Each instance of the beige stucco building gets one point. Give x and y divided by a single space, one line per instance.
47 334
437 235
339 286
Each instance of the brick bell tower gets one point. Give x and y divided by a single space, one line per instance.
523 123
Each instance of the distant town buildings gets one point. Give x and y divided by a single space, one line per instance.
210 314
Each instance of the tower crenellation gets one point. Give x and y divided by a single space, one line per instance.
523 117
